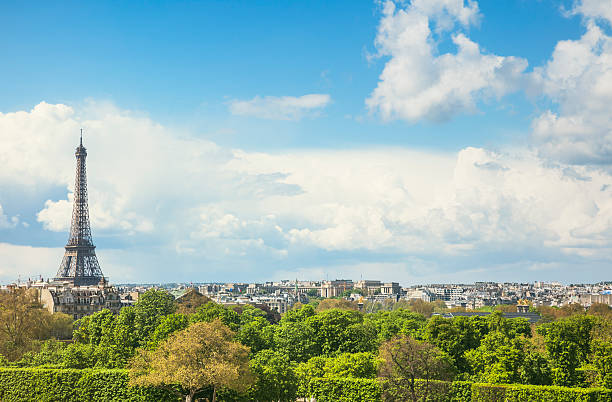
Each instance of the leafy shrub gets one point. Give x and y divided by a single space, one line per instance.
67 385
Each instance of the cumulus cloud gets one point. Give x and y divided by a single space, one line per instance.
477 200
280 107
137 169
205 210
578 78
419 83
596 9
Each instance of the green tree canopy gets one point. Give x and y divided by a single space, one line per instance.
568 343
404 360
149 310
504 359
276 377
201 356
25 321
212 311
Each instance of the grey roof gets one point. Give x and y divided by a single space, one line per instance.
531 317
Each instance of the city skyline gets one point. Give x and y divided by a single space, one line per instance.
417 142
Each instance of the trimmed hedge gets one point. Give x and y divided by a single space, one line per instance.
537 393
25 384
345 389
363 389
73 385
461 391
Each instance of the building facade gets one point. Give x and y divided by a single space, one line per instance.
79 301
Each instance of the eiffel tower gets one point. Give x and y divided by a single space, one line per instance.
80 264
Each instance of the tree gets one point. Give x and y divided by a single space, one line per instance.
276 377
506 308
510 327
342 304
602 361
422 307
249 313
344 365
568 344
601 310
150 308
351 365
212 311
60 326
549 313
23 321
113 338
313 293
451 336
404 360
190 301
349 292
573 309
341 331
504 359
96 328
169 324
296 339
257 334
199 357
391 323
299 315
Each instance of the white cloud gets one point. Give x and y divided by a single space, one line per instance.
200 209
281 107
597 9
579 79
35 141
124 149
478 200
23 262
418 83
6 222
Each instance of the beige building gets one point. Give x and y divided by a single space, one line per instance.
368 287
588 299
79 301
335 288
390 288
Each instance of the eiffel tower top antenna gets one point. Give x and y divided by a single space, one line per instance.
81 137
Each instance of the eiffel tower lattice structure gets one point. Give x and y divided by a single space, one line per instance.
80 264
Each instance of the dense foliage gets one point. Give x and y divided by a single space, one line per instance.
71 385
313 347
202 356
67 385
24 323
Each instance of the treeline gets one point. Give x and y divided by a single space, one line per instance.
279 358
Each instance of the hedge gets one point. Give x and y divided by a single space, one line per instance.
73 385
537 393
362 389
345 389
365 389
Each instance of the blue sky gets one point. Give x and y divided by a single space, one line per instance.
181 61
423 141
